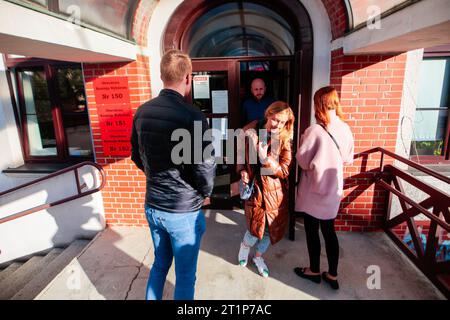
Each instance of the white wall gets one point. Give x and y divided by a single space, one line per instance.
321 31
9 136
408 104
54 227
421 25
27 32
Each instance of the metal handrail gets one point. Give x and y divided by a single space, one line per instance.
404 197
417 206
411 164
80 194
425 260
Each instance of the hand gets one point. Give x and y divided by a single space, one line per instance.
262 152
207 201
245 177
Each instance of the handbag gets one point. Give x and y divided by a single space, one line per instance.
246 189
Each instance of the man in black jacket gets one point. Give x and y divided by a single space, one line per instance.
176 189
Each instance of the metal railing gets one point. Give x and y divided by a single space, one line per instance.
423 255
79 194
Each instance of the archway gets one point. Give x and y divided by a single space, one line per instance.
233 42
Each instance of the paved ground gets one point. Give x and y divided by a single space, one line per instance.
116 266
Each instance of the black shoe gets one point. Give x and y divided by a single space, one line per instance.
301 273
333 283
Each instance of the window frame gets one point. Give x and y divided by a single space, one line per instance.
49 68
444 158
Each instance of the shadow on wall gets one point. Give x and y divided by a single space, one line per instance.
361 182
56 226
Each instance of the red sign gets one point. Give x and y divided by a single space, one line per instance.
111 90
117 148
115 116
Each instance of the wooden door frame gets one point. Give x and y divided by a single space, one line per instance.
222 65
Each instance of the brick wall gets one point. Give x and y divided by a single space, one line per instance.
125 188
337 14
370 88
124 193
141 21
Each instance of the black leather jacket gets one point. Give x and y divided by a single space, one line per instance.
171 187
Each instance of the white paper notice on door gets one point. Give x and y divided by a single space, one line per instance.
219 101
201 86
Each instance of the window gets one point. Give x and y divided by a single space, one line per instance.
361 11
53 112
431 123
115 17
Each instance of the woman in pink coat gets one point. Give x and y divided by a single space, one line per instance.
324 148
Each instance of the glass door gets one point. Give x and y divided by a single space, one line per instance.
214 92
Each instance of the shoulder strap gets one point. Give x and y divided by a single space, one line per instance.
331 136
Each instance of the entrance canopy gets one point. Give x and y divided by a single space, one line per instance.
240 29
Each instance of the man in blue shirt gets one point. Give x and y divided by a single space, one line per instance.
255 106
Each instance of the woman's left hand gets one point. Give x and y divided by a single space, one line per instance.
262 152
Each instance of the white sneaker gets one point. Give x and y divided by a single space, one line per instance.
261 266
243 255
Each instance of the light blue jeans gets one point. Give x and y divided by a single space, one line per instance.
175 235
263 244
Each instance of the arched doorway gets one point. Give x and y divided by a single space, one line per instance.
233 42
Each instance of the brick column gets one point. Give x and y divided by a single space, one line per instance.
370 88
123 195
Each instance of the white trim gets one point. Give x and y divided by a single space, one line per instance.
421 25
160 17
408 104
322 46
31 33
11 145
337 44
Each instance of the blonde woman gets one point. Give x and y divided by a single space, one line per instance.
324 149
266 210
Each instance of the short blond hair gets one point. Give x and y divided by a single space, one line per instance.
175 65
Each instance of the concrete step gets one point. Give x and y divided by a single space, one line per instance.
25 273
40 281
5 273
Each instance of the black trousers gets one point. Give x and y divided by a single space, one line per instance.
313 243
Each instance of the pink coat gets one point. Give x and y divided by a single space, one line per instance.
321 183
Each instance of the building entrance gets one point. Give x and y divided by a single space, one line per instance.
220 88
232 43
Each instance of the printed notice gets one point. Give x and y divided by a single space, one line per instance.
115 123
111 90
112 97
219 101
201 86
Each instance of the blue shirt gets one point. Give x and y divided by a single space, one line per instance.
254 110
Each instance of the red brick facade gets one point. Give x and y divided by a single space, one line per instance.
370 87
125 188
141 21
338 17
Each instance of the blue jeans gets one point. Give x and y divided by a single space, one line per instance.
263 244
175 235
